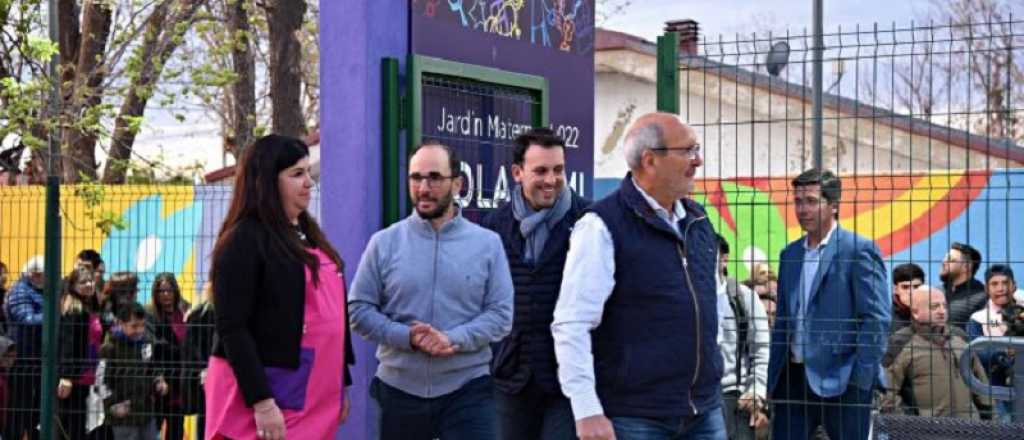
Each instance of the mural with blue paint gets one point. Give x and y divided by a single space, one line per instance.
911 217
153 243
168 229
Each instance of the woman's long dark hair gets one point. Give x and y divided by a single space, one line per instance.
164 277
256 196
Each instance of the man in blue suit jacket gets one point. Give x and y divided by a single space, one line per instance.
832 321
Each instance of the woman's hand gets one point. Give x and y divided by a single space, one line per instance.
121 409
269 420
64 389
344 408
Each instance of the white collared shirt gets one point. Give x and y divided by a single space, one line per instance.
755 378
672 218
587 283
812 261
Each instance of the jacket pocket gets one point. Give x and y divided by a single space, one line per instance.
650 364
506 357
288 386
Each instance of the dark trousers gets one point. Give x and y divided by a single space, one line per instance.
467 413
534 414
23 401
71 414
175 425
737 421
797 411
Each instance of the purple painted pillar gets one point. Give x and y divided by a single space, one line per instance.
354 36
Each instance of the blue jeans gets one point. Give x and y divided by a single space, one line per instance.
466 413
707 426
533 414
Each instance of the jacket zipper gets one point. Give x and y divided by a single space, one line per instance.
433 293
696 305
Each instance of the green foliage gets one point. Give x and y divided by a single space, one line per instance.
200 73
40 49
24 94
134 123
154 170
93 193
209 75
22 105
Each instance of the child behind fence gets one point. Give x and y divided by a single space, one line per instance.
133 381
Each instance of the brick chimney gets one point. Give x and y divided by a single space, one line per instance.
689 34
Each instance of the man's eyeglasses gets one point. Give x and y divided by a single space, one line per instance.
690 152
433 180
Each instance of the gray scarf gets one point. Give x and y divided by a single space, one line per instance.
536 225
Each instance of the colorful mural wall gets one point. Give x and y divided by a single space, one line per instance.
166 229
912 218
562 24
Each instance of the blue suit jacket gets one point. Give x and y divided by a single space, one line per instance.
848 313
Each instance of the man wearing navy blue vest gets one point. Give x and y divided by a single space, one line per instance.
832 322
534 230
636 321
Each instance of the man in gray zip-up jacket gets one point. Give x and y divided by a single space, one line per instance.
433 291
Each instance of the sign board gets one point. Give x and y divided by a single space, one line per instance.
487 70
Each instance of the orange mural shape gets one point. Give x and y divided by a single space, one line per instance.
893 210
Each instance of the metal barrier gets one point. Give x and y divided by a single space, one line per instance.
162 233
1014 394
889 427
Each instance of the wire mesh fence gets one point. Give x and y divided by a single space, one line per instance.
923 386
922 123
135 327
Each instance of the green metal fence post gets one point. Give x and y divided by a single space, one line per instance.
816 96
51 292
390 127
668 73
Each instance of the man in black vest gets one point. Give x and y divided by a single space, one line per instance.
636 322
534 229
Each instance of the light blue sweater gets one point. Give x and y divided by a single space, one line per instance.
456 279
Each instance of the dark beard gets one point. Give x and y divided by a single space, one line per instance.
946 278
442 206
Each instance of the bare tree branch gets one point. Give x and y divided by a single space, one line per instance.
164 34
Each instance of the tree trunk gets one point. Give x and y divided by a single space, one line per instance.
70 39
164 33
80 142
284 18
243 113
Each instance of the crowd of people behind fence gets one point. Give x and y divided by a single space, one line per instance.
126 370
551 318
